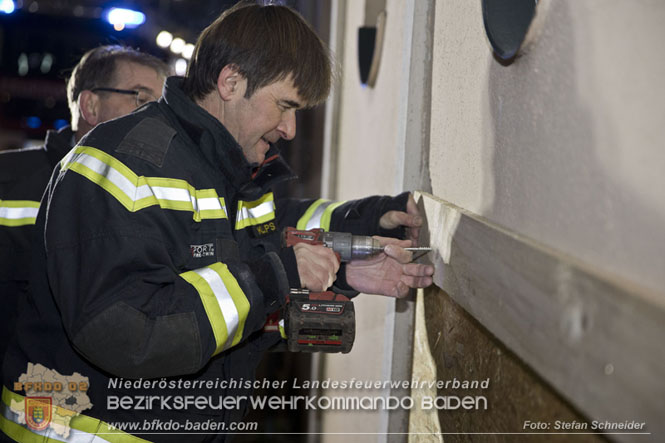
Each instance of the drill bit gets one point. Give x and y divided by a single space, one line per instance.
418 252
421 248
418 249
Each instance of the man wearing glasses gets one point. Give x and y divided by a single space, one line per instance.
108 82
111 81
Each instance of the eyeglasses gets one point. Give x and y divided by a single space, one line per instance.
142 97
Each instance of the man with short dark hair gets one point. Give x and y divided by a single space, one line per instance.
161 258
136 78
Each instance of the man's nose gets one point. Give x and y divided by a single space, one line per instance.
287 127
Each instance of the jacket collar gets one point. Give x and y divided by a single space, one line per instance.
273 170
58 143
219 147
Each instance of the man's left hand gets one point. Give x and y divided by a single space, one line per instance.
390 273
411 219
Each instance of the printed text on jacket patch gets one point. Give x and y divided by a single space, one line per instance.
199 251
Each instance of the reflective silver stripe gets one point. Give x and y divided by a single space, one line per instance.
173 194
135 193
210 203
17 213
122 182
75 436
264 208
224 300
315 220
28 149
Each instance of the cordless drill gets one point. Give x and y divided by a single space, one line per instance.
324 321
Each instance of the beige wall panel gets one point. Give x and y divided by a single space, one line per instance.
370 157
370 152
460 152
565 145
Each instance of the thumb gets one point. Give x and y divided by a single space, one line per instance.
398 253
393 219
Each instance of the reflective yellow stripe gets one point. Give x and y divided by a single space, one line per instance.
224 302
327 214
307 216
82 427
318 215
138 192
18 212
282 329
255 212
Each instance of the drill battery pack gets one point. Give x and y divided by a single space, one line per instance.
322 322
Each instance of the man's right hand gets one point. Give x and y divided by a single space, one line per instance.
317 266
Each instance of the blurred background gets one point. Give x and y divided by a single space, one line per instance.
42 40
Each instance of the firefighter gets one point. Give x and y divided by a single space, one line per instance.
161 257
108 81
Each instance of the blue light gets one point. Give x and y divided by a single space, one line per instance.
125 18
60 123
7 6
33 122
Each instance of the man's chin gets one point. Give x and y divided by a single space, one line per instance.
262 151
256 160
258 155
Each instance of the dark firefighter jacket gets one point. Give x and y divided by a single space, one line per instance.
24 174
161 261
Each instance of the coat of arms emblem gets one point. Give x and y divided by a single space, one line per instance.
38 412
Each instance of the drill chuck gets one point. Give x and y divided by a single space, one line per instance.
351 247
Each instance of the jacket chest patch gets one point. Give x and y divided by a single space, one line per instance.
264 229
204 250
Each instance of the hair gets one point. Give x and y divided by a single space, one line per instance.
97 68
265 44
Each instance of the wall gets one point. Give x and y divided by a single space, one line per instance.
565 144
369 161
562 146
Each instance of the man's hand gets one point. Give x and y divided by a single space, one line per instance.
411 219
317 266
389 273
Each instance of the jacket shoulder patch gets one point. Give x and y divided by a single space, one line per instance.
149 141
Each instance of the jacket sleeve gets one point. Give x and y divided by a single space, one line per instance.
116 269
359 217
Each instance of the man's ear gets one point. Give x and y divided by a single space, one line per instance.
230 83
89 107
